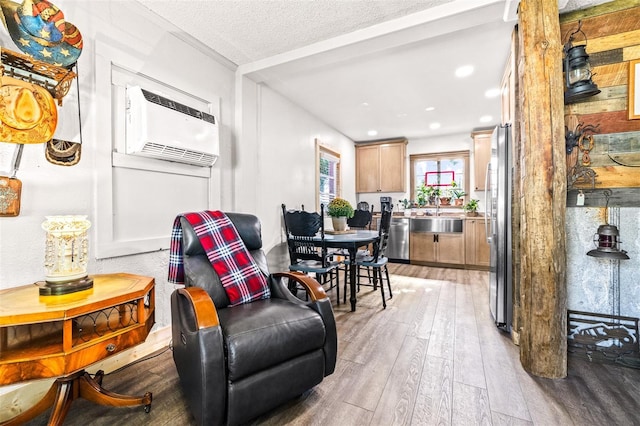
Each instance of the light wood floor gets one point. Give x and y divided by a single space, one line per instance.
433 357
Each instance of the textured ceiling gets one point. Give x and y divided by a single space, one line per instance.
361 65
248 30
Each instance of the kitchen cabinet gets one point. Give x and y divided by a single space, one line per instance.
437 248
380 166
481 157
477 250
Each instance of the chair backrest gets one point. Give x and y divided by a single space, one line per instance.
198 271
301 227
363 205
361 219
380 247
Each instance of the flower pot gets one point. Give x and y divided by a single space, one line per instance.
459 201
445 201
339 223
471 214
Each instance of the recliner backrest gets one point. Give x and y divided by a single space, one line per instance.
198 271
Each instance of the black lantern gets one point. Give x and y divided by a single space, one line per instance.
577 70
606 240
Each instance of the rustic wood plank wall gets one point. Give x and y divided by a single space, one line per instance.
613 39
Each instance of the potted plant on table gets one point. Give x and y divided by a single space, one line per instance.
406 205
445 197
340 210
457 193
471 208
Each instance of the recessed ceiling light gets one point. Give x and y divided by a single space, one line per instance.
402 114
486 118
372 132
492 93
464 71
429 108
434 126
364 104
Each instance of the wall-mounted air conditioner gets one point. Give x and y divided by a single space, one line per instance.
161 128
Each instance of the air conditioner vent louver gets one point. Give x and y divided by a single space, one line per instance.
178 154
168 103
161 128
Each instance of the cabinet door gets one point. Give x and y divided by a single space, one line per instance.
451 248
481 157
470 241
482 247
392 165
368 168
422 247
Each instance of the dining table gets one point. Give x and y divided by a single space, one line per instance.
349 240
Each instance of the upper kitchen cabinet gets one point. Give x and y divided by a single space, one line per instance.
380 166
481 157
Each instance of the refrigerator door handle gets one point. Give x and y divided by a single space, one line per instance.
487 215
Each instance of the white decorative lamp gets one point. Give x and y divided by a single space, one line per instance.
66 255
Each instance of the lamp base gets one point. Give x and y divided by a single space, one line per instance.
579 91
58 288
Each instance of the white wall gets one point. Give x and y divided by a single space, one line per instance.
271 159
277 160
135 40
453 142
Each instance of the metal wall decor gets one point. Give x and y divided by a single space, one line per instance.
603 337
581 137
55 79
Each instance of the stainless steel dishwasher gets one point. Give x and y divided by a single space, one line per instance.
398 244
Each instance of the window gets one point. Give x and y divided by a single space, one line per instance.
328 175
440 170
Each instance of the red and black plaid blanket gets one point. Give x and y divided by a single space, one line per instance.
240 276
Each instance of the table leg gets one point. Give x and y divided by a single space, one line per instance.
78 385
352 277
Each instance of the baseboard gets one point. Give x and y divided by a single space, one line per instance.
15 399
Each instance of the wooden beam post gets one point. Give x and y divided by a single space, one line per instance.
543 293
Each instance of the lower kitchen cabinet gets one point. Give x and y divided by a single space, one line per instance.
437 248
477 250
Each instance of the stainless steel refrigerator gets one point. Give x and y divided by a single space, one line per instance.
498 226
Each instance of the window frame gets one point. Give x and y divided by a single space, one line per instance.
320 149
438 156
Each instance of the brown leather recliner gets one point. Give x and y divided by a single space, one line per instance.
236 363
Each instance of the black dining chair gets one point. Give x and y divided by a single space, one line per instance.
308 254
376 263
361 219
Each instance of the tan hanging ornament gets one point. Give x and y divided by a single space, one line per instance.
11 188
28 113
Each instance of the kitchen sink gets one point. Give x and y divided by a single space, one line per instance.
439 225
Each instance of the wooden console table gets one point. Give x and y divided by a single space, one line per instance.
59 336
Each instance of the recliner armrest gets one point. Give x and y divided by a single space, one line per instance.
313 287
204 310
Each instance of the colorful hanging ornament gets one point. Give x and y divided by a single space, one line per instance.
39 29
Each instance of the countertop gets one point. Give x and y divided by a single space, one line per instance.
442 215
